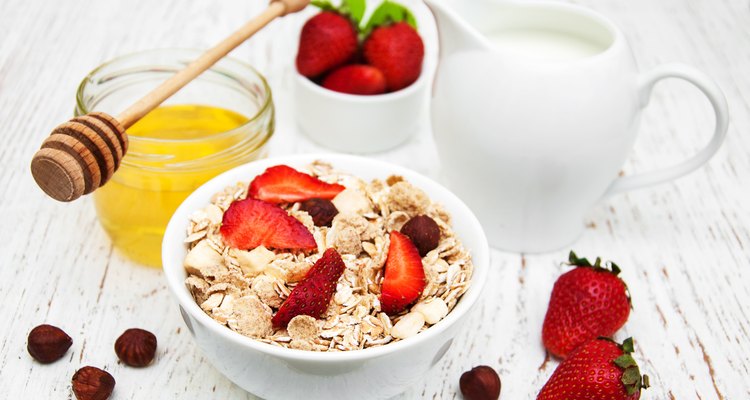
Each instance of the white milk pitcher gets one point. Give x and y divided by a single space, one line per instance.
535 108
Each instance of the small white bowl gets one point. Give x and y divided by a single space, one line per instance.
279 373
359 123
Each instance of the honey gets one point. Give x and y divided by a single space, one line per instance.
221 119
160 170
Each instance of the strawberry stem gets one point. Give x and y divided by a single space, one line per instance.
388 12
616 269
631 374
353 9
609 266
627 345
579 262
324 5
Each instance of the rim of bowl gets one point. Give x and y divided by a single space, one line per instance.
174 270
267 101
617 38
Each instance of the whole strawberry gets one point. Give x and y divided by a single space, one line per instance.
587 302
599 370
356 79
328 40
398 51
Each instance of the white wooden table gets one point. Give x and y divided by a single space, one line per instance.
684 247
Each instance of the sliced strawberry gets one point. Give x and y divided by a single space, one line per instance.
356 79
283 184
312 295
250 223
404 275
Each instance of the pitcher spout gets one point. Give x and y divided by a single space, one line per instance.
454 33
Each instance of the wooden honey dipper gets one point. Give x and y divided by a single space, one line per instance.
82 154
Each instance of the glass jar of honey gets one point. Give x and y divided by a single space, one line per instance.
224 118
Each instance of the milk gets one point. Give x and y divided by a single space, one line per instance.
544 45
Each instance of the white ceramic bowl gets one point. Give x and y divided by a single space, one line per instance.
278 373
357 123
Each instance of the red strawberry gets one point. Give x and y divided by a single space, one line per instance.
404 275
328 40
600 369
250 223
587 302
398 51
356 79
283 184
312 295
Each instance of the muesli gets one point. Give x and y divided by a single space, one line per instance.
331 236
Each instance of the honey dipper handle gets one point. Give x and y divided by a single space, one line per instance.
169 87
82 154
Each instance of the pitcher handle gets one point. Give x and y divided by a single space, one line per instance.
719 103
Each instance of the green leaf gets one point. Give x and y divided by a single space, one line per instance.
625 361
627 345
630 389
631 376
580 262
324 5
354 9
389 12
615 268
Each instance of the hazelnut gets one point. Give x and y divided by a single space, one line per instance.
481 383
424 232
91 383
48 343
322 211
136 347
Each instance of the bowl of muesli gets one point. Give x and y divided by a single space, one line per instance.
324 276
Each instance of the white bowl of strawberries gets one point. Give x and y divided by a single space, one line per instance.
272 361
360 86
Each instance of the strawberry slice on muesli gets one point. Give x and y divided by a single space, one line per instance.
284 184
250 223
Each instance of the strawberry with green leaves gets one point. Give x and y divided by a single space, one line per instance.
586 302
598 370
329 39
393 45
396 49
392 48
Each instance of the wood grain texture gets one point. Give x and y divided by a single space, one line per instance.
684 246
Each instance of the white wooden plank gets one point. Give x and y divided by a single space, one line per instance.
684 246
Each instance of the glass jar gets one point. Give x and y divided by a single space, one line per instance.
169 157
